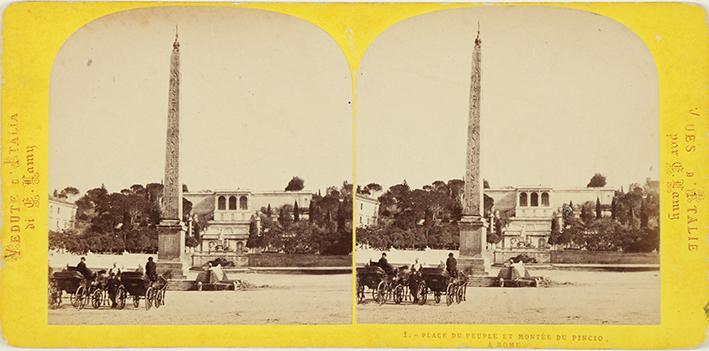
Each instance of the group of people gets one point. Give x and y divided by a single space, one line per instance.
112 277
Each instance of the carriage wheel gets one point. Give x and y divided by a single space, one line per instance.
460 294
149 296
121 294
136 301
437 296
162 296
96 298
422 293
450 294
382 292
158 299
58 299
398 294
78 301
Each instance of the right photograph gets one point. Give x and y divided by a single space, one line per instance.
508 171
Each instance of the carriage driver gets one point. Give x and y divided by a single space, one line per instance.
384 264
81 268
151 270
452 265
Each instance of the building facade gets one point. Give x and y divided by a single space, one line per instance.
366 210
533 208
233 211
62 214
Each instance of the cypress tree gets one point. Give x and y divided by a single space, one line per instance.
598 208
296 212
269 212
613 208
311 212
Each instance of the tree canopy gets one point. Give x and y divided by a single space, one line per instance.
597 181
295 184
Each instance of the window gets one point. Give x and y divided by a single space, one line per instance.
221 203
232 202
523 199
243 203
534 200
545 199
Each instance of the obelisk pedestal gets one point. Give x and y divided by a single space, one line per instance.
472 243
171 236
472 229
171 240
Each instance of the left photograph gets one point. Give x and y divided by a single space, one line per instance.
200 171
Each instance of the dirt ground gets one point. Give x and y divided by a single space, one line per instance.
575 297
287 299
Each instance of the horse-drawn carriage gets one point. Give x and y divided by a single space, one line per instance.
403 284
136 287
96 289
379 283
438 282
72 283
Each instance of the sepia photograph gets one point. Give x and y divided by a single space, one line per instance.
508 171
200 171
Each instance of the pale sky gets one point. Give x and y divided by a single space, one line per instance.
265 97
565 94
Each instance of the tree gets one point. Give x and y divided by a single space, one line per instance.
587 213
598 208
373 187
295 184
643 215
311 212
284 216
296 212
613 208
254 239
69 191
597 181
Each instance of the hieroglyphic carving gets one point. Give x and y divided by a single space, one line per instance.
473 183
172 197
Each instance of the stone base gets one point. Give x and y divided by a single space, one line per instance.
175 269
473 266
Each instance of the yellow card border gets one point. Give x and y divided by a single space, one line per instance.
675 34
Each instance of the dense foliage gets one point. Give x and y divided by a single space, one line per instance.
327 231
112 222
419 218
633 225
126 221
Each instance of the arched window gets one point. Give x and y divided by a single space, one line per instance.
522 199
545 199
221 203
232 202
534 200
243 203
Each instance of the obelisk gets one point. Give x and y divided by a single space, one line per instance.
171 237
472 229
